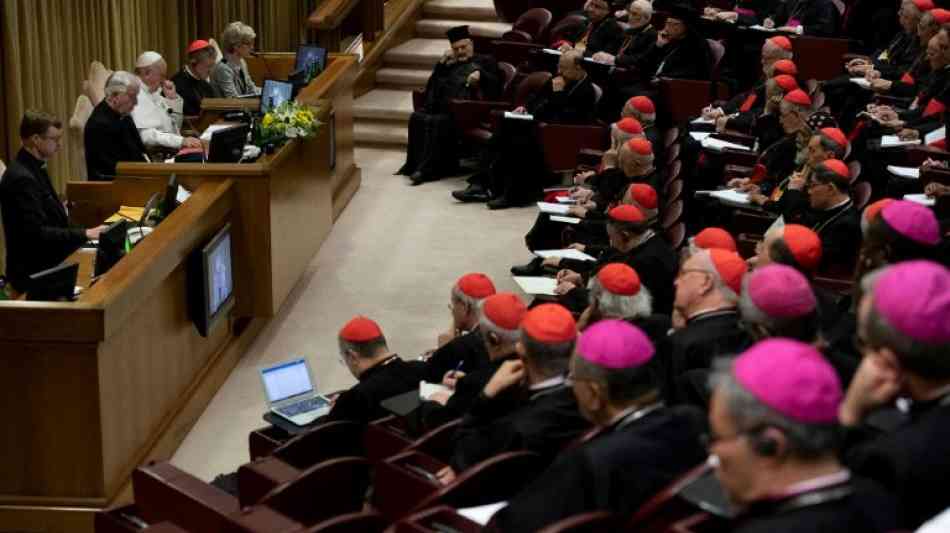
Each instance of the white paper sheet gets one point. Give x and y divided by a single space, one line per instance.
911 173
565 200
938 134
920 199
483 513
551 51
519 116
759 27
536 284
702 120
182 195
861 82
728 196
566 220
889 141
426 390
566 253
719 145
700 135
207 133
554 209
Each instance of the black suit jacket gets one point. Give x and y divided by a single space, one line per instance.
572 105
636 43
35 223
467 349
607 36
688 59
689 352
110 138
192 91
385 380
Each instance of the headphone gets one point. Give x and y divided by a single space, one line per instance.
764 445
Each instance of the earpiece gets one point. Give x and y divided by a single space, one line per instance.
764 446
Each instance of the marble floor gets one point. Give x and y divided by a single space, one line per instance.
393 256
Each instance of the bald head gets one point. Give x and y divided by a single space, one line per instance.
569 66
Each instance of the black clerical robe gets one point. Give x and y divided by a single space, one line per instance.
468 349
853 505
688 58
617 471
913 461
388 378
688 353
838 227
35 223
603 36
433 143
818 17
110 138
543 421
636 42
192 91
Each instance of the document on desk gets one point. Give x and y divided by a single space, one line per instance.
700 135
911 173
702 120
209 131
921 199
551 51
890 141
483 513
566 253
861 82
554 209
565 200
127 213
729 197
566 220
759 27
519 116
719 145
936 135
536 284
426 390
182 195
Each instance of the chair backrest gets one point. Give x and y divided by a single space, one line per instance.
323 491
534 22
384 438
673 153
508 72
598 93
165 493
565 27
819 57
861 194
673 191
402 481
673 171
593 522
676 235
671 135
326 441
561 143
494 479
717 51
672 214
438 442
680 100
531 84
854 168
362 522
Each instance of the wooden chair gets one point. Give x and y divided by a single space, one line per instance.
594 522
323 491
476 119
531 26
326 441
263 442
384 438
561 143
671 215
438 442
819 57
674 190
679 100
164 493
434 520
565 27
402 481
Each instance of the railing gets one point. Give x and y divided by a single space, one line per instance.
332 17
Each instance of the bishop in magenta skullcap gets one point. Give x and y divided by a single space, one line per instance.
912 220
806 389
615 344
914 298
780 291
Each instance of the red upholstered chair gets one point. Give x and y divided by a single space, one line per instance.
565 27
854 168
519 54
681 99
473 117
384 438
676 235
819 57
666 508
260 476
530 27
437 442
402 481
562 143
164 493
594 522
323 491
332 439
264 441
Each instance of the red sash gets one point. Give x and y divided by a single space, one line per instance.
933 107
748 103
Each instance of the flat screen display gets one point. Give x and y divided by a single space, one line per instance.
312 59
220 282
275 93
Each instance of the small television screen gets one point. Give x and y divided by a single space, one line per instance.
211 281
54 284
310 59
111 246
275 93
227 145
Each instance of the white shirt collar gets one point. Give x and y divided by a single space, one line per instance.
548 383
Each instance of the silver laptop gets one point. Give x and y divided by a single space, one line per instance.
291 394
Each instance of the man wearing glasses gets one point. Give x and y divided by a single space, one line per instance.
36 225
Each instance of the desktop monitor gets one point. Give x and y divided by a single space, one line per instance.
275 92
311 60
227 145
54 284
111 246
211 282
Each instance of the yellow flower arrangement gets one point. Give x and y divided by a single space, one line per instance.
290 120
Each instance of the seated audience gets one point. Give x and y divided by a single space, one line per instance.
904 334
637 37
158 111
600 32
710 238
230 76
775 440
527 404
381 373
641 447
745 12
193 80
817 18
462 349
110 134
616 293
35 223
461 73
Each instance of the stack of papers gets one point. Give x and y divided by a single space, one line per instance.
426 390
759 27
566 220
209 131
551 51
729 197
889 141
518 116
700 135
702 120
483 513
910 173
718 145
861 82
565 200
920 199
566 253
183 195
554 209
536 284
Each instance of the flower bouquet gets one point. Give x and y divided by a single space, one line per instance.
289 120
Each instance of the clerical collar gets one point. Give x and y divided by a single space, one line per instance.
632 414
30 160
814 484
710 313
546 387
837 205
366 373
193 75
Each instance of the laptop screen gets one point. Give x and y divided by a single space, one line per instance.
275 93
286 380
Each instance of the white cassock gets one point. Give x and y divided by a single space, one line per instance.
157 127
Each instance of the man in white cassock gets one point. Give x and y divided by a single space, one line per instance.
158 114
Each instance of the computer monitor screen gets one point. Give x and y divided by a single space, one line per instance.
286 380
275 93
111 246
211 281
227 145
219 278
170 200
54 284
312 59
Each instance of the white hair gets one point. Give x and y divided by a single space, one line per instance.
486 326
469 301
119 83
643 6
620 305
706 264
235 34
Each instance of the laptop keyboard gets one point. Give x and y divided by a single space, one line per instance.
303 406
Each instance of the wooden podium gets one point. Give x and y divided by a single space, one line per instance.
96 387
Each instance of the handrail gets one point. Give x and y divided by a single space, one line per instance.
331 13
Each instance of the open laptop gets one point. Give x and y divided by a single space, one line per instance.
291 394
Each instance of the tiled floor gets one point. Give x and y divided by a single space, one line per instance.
393 255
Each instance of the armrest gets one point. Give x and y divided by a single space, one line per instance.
469 114
257 478
736 137
562 143
402 481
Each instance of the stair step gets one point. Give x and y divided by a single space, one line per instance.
415 78
373 132
384 104
425 52
436 28
461 9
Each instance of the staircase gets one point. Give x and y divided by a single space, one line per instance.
382 114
